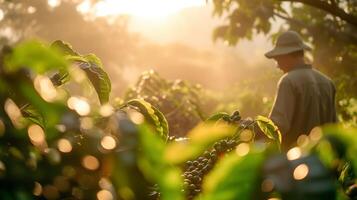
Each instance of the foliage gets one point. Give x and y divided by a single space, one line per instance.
328 25
90 64
233 171
270 129
34 54
68 153
152 114
179 101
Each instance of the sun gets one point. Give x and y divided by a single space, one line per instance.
153 9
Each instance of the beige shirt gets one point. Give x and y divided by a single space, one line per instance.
305 99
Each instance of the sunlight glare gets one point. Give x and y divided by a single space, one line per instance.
1 14
53 3
84 7
144 8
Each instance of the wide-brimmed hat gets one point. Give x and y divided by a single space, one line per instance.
288 42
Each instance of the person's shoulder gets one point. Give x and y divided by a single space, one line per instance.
292 76
285 79
322 75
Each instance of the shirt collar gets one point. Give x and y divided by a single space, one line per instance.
301 66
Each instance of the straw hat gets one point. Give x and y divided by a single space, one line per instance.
288 42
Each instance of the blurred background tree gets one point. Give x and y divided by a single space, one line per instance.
52 20
330 26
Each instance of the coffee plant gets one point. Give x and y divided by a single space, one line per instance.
56 144
182 103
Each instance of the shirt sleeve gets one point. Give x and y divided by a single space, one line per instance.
284 105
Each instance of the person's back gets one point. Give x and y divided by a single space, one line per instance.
311 102
305 97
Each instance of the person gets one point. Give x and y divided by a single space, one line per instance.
305 97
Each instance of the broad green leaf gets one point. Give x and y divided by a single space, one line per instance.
218 116
64 47
33 115
36 56
326 153
154 166
269 129
100 81
347 135
92 66
199 139
234 177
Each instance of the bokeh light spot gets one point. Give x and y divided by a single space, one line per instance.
90 162
106 110
294 153
303 140
108 142
37 190
301 171
242 149
316 134
2 167
64 145
80 105
45 88
104 195
13 112
36 134
105 183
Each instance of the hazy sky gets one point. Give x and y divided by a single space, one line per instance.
189 22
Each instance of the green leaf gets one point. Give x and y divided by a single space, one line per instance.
93 68
33 115
346 135
218 116
36 56
153 116
199 139
64 48
269 129
154 166
234 177
91 65
164 130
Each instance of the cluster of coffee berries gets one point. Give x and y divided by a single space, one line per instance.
195 170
